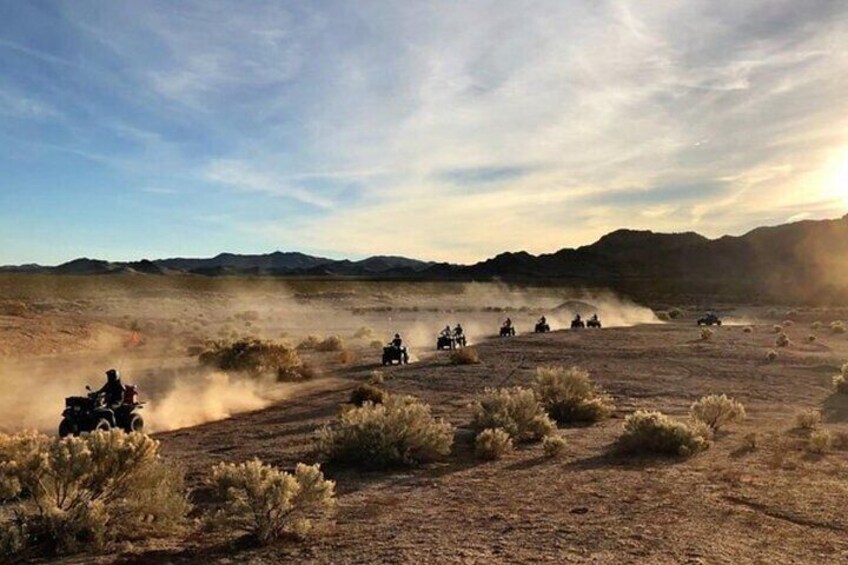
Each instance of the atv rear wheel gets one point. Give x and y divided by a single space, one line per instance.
135 424
102 425
66 428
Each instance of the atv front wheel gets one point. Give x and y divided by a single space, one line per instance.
136 423
102 425
66 428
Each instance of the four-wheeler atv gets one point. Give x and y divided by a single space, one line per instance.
593 323
90 413
507 331
392 355
542 327
709 320
577 323
450 342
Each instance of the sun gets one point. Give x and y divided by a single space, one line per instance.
836 177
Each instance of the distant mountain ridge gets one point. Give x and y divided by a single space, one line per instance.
804 261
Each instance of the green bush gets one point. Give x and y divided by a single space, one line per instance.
79 493
717 410
256 358
367 393
569 395
492 444
516 411
654 433
401 431
271 503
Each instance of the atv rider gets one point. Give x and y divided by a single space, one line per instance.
446 332
457 331
577 317
543 321
594 317
507 323
397 342
113 390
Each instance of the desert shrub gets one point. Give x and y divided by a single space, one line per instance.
840 381
376 378
347 357
820 442
808 419
400 431
663 316
751 441
816 325
569 395
74 494
363 333
811 338
465 356
376 344
14 308
675 313
309 343
782 340
554 446
777 328
771 355
748 329
706 334
367 393
516 411
330 343
837 327
717 410
254 357
271 503
647 432
787 323
492 444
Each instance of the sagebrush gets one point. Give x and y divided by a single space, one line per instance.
654 433
808 419
400 431
840 381
837 327
367 393
568 395
554 446
717 410
256 358
782 340
79 493
492 444
268 502
515 410
820 442
465 356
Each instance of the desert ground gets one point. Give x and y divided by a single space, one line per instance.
756 496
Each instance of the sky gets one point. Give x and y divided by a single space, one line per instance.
437 130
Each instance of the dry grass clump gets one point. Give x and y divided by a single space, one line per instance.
515 410
837 327
309 343
771 355
675 313
400 431
492 444
840 381
465 356
347 357
376 377
787 323
782 340
330 343
816 325
654 433
717 410
554 446
569 395
363 333
777 328
748 329
808 419
820 442
662 316
255 357
81 493
376 344
15 308
270 503
367 393
811 338
706 334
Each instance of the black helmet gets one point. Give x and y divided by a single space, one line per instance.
397 335
113 375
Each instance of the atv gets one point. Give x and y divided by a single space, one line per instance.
393 354
450 342
90 413
542 327
593 323
507 331
709 320
576 323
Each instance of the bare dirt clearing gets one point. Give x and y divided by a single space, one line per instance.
773 503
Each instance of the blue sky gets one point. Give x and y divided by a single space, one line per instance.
441 130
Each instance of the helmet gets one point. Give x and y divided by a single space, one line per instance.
397 335
113 375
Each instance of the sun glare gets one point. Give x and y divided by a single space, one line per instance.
837 177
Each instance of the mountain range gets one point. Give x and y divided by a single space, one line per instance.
803 261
